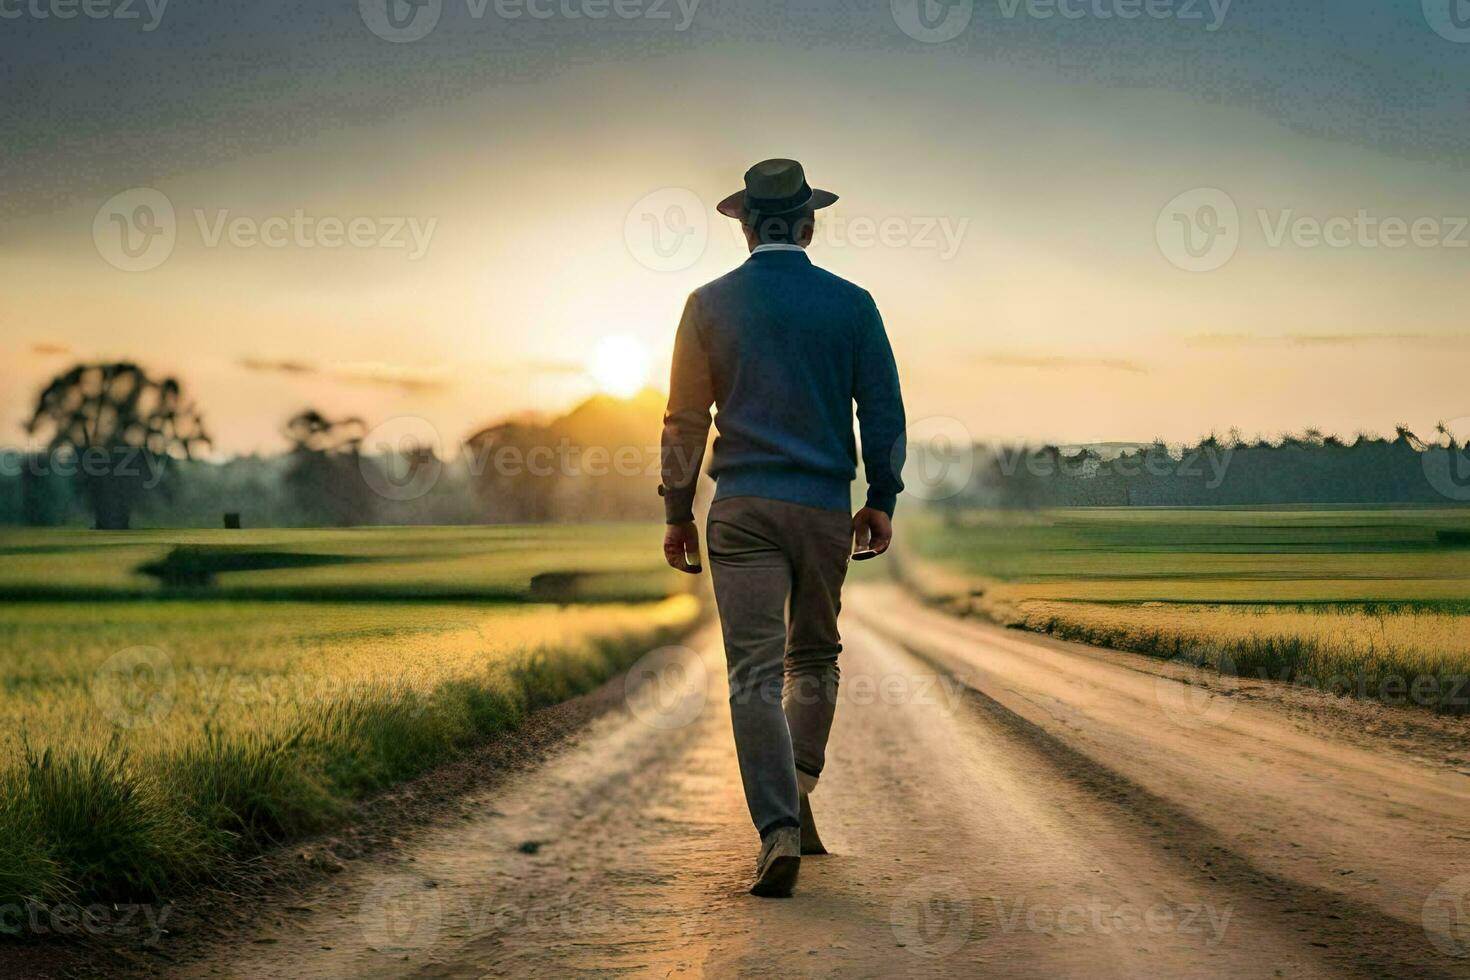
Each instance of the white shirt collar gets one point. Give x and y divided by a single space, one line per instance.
776 247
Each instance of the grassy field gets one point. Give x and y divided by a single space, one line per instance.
161 727
1365 602
351 565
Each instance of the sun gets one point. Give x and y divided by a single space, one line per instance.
620 365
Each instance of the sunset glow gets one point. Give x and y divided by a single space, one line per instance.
620 366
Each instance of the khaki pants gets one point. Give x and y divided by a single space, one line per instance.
778 570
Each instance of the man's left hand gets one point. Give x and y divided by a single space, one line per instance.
872 530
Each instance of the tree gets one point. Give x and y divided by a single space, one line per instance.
325 472
116 425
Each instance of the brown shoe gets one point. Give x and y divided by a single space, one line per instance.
811 841
778 865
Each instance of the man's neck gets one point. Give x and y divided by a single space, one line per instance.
776 247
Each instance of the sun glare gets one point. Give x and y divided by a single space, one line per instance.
620 365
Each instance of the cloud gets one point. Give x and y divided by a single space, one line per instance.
1061 362
1218 340
47 349
279 367
359 372
395 375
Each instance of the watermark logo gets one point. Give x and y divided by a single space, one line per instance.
1103 918
94 10
32 918
1199 230
136 230
1446 916
1447 468
668 230
403 21
1199 697
1450 19
400 913
309 231
400 459
933 917
933 21
135 687
400 21
944 235
1210 13
940 458
667 688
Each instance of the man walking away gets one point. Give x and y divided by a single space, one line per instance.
783 350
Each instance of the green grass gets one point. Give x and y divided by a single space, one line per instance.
349 565
1350 598
154 740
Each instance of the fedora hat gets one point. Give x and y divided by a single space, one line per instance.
772 188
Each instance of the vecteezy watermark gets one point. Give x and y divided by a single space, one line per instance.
932 21
1441 691
1202 693
1103 918
402 21
1210 13
891 688
400 458
401 913
1201 230
838 229
937 21
1208 463
1450 19
1447 467
667 230
135 688
1446 916
932 917
1197 695
667 689
93 462
302 230
149 13
940 458
137 230
32 918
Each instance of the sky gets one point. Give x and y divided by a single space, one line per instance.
1083 220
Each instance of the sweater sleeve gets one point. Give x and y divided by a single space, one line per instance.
879 410
687 419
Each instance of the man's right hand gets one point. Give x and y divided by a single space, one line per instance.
872 530
681 547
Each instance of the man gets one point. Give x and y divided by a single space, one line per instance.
782 349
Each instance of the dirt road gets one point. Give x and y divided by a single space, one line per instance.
997 804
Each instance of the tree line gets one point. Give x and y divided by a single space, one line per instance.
1310 467
112 446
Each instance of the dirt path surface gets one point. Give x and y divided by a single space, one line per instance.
996 803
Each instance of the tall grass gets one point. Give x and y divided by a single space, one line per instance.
128 819
1403 656
1371 603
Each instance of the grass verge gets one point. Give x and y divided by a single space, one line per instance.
113 823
